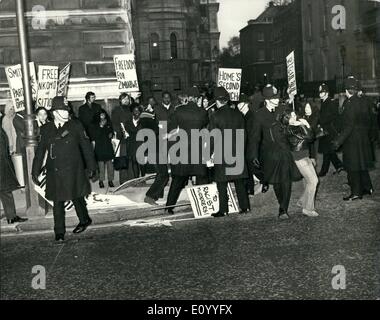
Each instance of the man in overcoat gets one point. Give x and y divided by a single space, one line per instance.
328 120
279 167
229 122
358 156
187 117
70 162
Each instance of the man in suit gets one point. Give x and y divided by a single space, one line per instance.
70 162
358 155
229 122
162 113
278 164
88 111
187 117
120 118
328 120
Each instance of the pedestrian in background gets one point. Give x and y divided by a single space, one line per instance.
42 116
88 111
8 180
8 127
102 134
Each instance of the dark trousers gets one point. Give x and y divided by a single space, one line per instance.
178 184
359 181
156 191
250 182
333 158
283 192
8 202
59 214
241 193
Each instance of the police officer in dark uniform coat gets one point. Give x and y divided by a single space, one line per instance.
328 120
187 116
358 157
70 160
226 118
278 163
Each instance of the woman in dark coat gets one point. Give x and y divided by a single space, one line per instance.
8 180
101 132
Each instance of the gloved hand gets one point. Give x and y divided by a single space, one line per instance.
35 179
335 144
256 163
90 173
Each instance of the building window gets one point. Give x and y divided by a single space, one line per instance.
173 46
154 46
260 36
156 84
261 55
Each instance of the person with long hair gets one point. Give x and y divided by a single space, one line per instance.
102 134
301 136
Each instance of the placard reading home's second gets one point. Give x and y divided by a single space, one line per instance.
230 79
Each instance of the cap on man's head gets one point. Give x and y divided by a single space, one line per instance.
221 92
351 83
323 88
58 103
243 98
193 92
270 92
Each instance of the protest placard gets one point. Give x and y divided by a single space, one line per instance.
204 200
230 79
126 74
14 76
63 81
47 85
292 84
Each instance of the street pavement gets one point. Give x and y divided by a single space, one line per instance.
254 256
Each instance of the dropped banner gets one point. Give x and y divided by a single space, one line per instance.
230 79
63 81
14 76
205 200
290 62
126 74
47 86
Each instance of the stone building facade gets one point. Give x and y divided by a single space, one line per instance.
177 42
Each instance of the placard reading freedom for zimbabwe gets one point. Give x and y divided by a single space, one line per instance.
47 85
204 200
126 75
230 79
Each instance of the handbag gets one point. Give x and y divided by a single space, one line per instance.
299 137
120 163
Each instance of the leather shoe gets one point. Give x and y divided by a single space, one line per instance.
16 219
219 215
246 211
339 170
169 211
352 197
110 184
101 184
60 237
265 188
283 214
368 192
322 174
150 201
82 227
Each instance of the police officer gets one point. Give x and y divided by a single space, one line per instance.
358 157
328 120
228 121
70 162
187 117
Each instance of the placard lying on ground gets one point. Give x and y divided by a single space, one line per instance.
204 200
47 85
14 76
292 83
126 74
230 79
63 81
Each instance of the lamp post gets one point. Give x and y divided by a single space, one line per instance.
33 208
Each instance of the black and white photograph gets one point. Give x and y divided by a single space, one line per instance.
189 154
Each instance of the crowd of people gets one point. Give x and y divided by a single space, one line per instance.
281 140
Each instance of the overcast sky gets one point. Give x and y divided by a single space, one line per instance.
234 15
